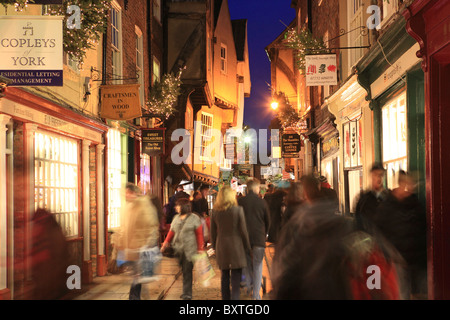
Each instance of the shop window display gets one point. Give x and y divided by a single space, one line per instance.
56 179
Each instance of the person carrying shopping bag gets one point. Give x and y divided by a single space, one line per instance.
230 240
138 235
186 237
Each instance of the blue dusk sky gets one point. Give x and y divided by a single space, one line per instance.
266 21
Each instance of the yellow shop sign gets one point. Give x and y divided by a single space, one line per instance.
120 102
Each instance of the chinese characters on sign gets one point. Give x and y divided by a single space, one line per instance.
31 50
321 70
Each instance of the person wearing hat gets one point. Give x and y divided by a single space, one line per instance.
369 201
328 193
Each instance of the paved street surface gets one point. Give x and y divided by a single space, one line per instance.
167 287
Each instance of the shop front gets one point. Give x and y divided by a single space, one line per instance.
391 75
54 161
329 154
428 22
354 123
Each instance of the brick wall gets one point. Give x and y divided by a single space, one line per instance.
135 14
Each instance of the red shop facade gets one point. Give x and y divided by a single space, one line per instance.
428 21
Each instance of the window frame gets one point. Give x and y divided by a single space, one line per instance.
114 172
156 61
206 132
223 59
116 46
53 179
140 64
157 12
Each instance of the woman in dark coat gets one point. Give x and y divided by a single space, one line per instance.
230 240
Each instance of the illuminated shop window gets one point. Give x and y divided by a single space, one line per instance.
394 139
56 179
145 173
114 178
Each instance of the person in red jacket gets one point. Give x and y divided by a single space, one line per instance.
186 237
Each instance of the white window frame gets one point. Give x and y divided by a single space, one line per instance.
116 42
114 171
389 9
140 64
355 38
223 58
71 63
56 161
207 124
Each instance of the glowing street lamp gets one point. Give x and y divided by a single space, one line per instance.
274 105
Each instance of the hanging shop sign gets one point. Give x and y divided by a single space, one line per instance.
31 50
321 70
120 102
230 151
290 145
153 141
352 144
330 146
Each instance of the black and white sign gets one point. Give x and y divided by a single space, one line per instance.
31 50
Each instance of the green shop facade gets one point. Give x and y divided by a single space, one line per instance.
392 76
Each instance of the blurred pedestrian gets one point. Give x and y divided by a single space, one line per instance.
49 257
186 237
277 206
258 222
195 203
319 256
328 193
170 209
270 190
230 241
139 231
369 201
294 199
401 219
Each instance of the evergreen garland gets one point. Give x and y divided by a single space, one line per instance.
164 95
303 43
286 114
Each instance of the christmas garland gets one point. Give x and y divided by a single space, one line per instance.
93 24
303 43
164 95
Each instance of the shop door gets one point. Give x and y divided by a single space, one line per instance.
353 188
